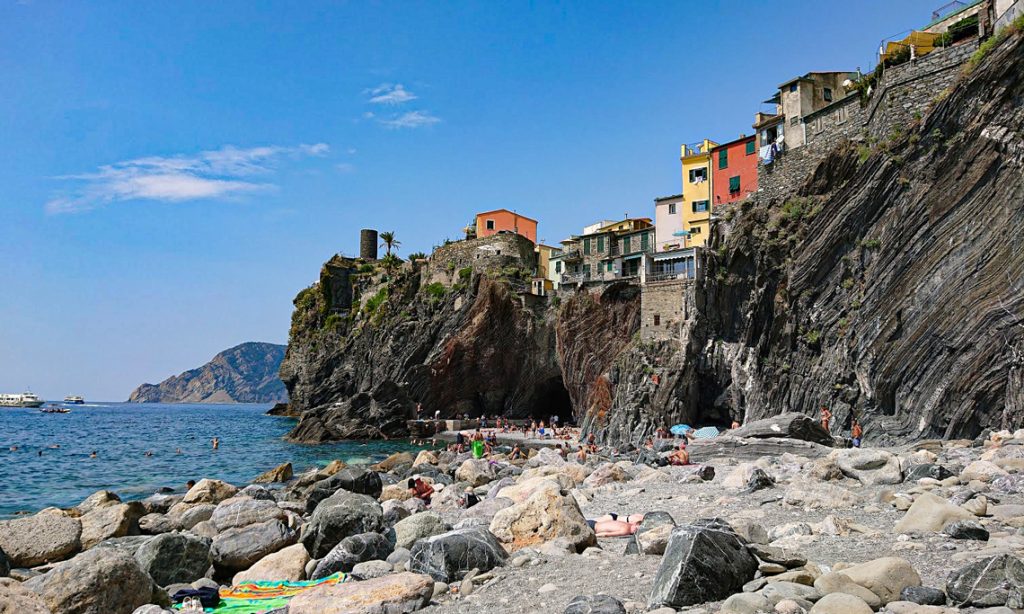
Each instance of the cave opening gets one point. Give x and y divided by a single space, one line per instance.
552 399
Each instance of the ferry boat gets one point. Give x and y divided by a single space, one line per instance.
25 399
74 400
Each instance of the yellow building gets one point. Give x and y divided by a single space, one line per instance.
696 161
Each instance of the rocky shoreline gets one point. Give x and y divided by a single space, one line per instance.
773 524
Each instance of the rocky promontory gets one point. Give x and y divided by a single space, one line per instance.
246 373
885 285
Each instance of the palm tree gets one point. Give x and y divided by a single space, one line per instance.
391 262
388 241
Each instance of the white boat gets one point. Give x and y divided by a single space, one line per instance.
74 400
25 399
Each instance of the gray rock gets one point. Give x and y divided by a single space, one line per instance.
96 500
337 517
992 581
255 491
242 511
759 480
239 548
175 557
966 529
595 604
774 554
777 591
351 551
936 472
368 570
160 503
416 527
746 603
98 580
704 561
5 565
188 516
923 595
791 425
155 524
450 556
651 521
399 556
15 598
112 520
353 479
45 537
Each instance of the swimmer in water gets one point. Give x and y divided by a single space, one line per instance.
93 454
14 448
177 451
149 453
216 442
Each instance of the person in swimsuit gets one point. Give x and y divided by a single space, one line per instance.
610 525
856 432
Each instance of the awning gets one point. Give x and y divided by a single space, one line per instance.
681 233
633 257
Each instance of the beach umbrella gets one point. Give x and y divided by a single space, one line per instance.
707 432
680 429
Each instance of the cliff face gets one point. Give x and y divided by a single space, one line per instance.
887 285
246 373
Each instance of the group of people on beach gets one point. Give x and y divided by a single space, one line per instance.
856 431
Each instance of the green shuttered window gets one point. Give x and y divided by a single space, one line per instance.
734 184
723 159
750 147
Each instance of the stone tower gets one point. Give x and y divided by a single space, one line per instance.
368 244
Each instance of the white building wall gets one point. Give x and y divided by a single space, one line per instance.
666 224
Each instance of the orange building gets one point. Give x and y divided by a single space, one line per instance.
492 222
733 170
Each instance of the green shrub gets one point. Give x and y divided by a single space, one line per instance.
847 283
465 273
375 301
986 47
435 290
843 322
870 243
334 321
365 268
812 337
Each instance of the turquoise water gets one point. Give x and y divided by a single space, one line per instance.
122 433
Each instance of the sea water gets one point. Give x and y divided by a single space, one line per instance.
178 436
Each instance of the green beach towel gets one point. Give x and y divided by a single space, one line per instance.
478 449
256 597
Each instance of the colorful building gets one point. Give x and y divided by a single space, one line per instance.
696 205
502 220
607 253
733 170
544 277
668 223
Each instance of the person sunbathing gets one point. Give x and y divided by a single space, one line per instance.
680 456
606 527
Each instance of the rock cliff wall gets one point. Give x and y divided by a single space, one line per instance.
886 284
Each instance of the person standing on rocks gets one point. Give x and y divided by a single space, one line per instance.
856 432
826 417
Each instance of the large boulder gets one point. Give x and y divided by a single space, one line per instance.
155 524
870 467
174 558
17 599
398 459
209 491
838 582
840 603
545 516
595 604
546 457
526 488
285 565
450 556
281 473
97 581
930 513
885 577
989 582
704 561
98 499
342 514
486 509
242 511
418 526
239 548
49 536
353 479
792 425
652 535
605 474
476 472
5 564
351 551
186 515
394 594
108 521
983 471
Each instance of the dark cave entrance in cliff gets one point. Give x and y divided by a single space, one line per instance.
552 399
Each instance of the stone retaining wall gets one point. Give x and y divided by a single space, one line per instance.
486 254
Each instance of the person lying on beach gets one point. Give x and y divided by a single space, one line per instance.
613 528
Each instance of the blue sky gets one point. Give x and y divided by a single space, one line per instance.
173 173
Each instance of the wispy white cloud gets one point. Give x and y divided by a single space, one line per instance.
345 167
389 94
220 173
411 119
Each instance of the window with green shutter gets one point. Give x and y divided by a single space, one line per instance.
586 269
644 242
558 266
586 246
751 146
734 185
600 245
608 266
625 245
723 159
